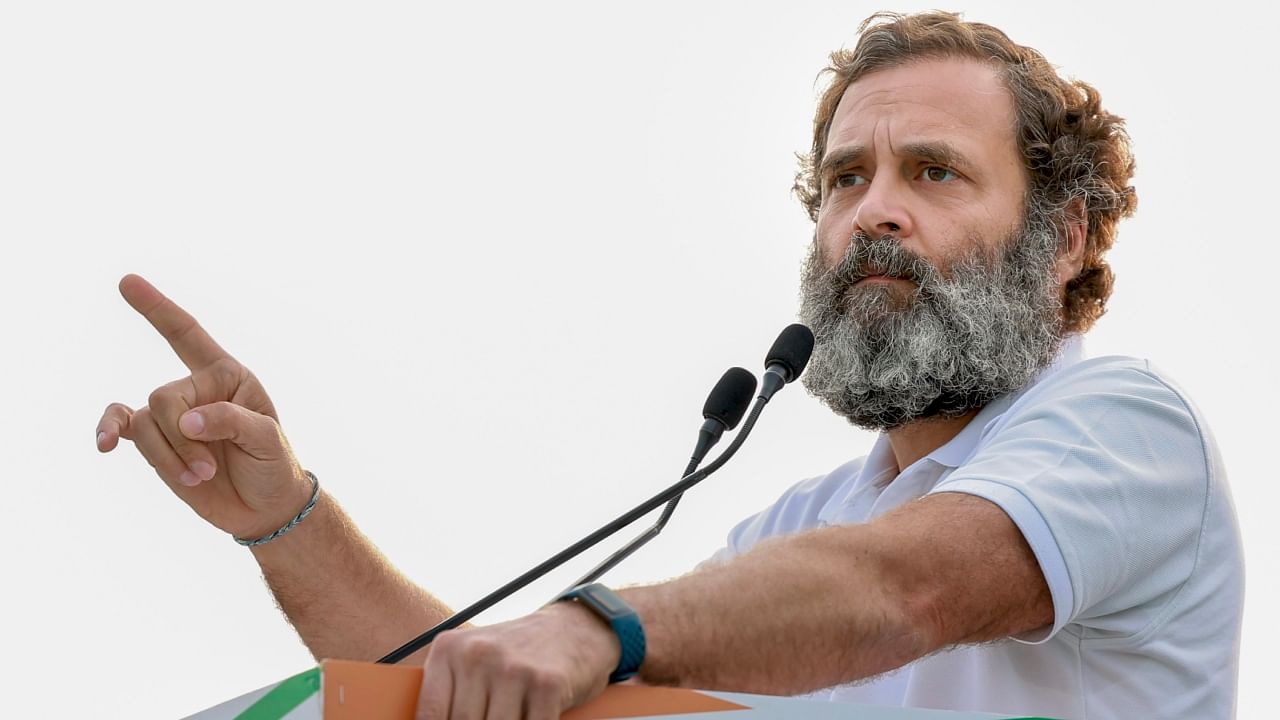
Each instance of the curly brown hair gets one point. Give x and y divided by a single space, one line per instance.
1074 150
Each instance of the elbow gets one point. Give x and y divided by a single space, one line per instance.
887 636
923 618
900 623
914 610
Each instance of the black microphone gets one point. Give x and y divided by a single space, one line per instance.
724 409
796 357
785 362
786 359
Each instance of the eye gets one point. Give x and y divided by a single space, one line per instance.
850 179
938 174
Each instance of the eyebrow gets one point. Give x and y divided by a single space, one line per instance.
936 152
841 157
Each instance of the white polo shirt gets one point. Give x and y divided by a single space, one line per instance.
1116 483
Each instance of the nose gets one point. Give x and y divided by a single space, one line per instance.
883 210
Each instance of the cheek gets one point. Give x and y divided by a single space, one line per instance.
961 240
832 237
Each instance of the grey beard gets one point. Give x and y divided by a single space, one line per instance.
953 346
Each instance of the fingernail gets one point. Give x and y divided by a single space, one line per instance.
102 439
192 423
189 479
203 470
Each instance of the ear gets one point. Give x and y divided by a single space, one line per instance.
1072 234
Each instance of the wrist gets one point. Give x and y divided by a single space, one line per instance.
256 540
306 538
271 499
622 621
593 635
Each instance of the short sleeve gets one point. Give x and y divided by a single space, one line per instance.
1103 469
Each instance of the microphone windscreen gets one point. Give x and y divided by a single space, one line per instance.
791 350
731 397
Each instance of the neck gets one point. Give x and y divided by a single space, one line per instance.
917 439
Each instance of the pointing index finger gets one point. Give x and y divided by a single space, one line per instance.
192 344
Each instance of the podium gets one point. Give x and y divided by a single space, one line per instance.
348 690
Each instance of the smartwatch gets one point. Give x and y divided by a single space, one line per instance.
621 617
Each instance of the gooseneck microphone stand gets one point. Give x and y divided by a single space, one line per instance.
784 363
579 547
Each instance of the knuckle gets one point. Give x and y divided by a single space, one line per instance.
227 365
227 371
215 416
516 670
545 682
116 409
444 644
481 651
160 397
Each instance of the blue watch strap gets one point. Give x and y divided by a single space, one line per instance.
621 617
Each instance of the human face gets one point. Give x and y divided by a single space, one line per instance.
930 286
925 152
950 347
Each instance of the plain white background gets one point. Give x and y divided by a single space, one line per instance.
488 261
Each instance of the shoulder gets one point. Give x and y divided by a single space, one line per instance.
1108 424
1113 404
1111 381
1108 469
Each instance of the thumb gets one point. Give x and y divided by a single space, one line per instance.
256 434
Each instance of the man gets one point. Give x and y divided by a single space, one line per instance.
1033 533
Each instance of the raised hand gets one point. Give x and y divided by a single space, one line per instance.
213 436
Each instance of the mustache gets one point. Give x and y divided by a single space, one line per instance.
884 255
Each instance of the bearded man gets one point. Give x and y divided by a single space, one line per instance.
1032 533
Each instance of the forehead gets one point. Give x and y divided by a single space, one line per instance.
957 100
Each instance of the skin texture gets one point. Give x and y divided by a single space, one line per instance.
845 603
841 603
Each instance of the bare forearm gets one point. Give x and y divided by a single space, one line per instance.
791 616
339 592
843 603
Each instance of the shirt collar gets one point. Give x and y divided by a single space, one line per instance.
960 447
881 466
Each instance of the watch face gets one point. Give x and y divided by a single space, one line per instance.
607 601
621 618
